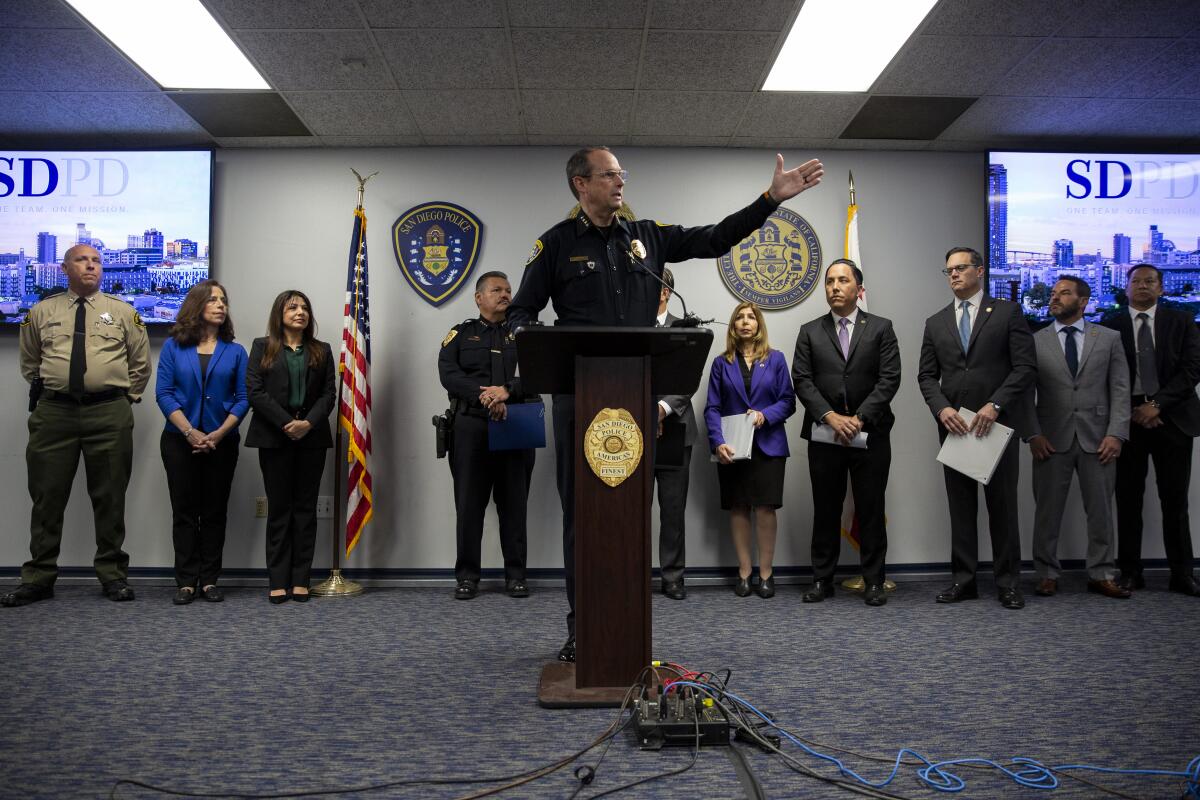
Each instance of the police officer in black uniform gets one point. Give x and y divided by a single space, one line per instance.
478 367
599 269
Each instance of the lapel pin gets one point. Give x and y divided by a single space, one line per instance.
988 309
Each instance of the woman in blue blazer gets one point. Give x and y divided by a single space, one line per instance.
201 389
752 379
291 384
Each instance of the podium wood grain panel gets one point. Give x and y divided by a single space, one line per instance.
612 531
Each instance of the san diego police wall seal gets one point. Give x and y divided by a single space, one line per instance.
436 246
778 265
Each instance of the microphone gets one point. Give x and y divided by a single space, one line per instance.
688 320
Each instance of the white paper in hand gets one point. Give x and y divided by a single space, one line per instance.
826 434
973 456
738 430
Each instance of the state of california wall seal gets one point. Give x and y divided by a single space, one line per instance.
778 265
612 444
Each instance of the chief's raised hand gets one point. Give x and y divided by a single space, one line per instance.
786 184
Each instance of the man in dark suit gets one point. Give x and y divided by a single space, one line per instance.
1162 347
978 354
673 410
846 371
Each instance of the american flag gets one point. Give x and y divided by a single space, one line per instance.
354 407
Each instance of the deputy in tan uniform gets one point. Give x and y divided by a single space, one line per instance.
91 355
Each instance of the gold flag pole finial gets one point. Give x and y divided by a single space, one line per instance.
362 184
852 202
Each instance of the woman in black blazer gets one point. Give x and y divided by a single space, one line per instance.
290 380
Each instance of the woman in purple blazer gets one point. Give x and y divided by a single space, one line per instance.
201 390
752 379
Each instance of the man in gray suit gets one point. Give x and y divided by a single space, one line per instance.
673 410
1083 408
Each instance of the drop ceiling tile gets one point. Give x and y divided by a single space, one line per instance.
960 146
26 113
380 113
1122 18
476 140
37 14
453 112
574 141
1176 67
371 141
150 139
66 60
268 142
580 14
1076 67
694 61
930 65
679 141
287 14
781 143
597 112
881 144
130 112
703 114
225 114
475 58
721 15
905 117
1149 118
990 117
1008 18
550 59
424 14
317 59
796 115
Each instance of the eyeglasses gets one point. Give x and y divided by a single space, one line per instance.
958 268
611 174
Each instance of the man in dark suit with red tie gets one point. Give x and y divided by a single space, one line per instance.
846 370
1162 346
978 354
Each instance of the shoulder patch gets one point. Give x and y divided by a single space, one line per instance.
28 319
537 251
137 320
450 336
663 224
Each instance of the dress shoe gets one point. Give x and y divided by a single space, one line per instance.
766 588
1011 598
466 590
742 587
957 592
1109 588
674 590
118 590
300 597
184 595
1131 582
25 594
820 589
1047 587
567 653
277 599
1184 584
212 594
517 588
875 595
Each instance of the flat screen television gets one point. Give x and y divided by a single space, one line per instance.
1092 215
148 212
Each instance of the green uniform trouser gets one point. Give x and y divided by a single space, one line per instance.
58 432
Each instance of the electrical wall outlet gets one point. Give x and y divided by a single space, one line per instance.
260 506
324 507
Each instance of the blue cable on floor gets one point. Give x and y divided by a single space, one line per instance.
1027 772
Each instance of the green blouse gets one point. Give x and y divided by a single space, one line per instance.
297 367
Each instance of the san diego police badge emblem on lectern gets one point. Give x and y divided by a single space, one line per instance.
437 245
612 445
778 265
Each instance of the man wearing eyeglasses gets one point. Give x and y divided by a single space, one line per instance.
600 269
978 354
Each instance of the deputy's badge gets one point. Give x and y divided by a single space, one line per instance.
537 251
638 248
450 336
436 245
612 444
778 265
106 318
137 319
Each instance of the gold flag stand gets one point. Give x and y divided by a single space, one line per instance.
335 585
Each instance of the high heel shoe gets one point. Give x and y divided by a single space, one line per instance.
742 587
766 587
276 599
300 597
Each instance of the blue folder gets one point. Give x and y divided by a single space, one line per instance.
525 428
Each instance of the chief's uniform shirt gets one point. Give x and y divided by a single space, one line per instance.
598 276
118 349
479 353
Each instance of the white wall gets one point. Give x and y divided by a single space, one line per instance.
283 220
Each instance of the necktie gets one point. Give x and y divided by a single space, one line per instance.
1147 369
1072 352
78 349
964 324
844 336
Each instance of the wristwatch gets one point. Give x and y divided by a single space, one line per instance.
996 407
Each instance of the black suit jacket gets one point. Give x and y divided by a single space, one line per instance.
268 390
1177 356
1000 365
862 384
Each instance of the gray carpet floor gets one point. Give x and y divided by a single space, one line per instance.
403 684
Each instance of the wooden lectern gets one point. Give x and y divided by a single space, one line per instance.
616 368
